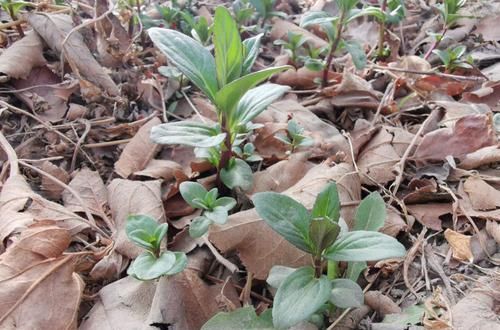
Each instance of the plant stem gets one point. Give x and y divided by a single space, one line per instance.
435 44
332 271
333 48
224 158
318 266
14 18
381 33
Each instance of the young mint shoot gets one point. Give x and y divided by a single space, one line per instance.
322 233
227 82
295 137
146 233
215 210
454 58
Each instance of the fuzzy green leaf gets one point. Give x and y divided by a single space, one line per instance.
192 191
147 267
371 213
327 204
238 174
346 293
187 133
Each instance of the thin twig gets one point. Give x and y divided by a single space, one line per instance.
228 264
11 155
429 73
78 144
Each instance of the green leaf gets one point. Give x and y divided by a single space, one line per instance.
364 246
189 56
226 202
147 267
239 174
255 101
346 293
299 296
217 215
357 53
251 51
371 213
410 315
241 318
323 233
191 191
142 230
199 226
187 133
229 96
278 274
228 47
374 12
354 269
286 216
327 204
316 18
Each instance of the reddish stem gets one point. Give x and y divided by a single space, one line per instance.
335 44
435 44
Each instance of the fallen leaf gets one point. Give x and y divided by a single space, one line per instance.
163 169
381 303
487 28
38 285
460 245
54 28
302 78
281 28
469 134
128 197
428 214
493 229
18 60
480 157
482 195
488 94
109 267
49 187
259 247
139 151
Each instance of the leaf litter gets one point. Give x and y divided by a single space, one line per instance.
81 92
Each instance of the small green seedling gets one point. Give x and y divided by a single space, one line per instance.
454 58
215 210
247 153
199 28
306 292
146 233
243 13
449 11
227 82
333 27
295 137
265 10
389 12
293 46
13 8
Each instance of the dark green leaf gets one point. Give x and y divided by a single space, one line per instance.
323 233
191 191
346 293
364 246
229 96
228 47
189 56
371 213
239 174
187 133
327 204
199 226
299 297
357 53
241 318
286 216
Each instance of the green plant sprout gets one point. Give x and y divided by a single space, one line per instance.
449 13
215 210
13 8
243 13
303 293
333 27
454 58
198 28
227 82
295 137
293 46
389 12
146 233
265 10
247 153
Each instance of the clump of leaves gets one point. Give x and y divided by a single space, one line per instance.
265 10
227 82
306 291
146 233
333 27
389 12
215 210
295 137
454 58
301 52
449 11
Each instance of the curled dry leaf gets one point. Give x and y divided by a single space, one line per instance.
469 134
281 28
32 268
460 245
302 78
259 247
20 206
163 169
493 229
54 28
483 156
353 91
488 94
128 197
89 185
49 187
18 60
139 151
381 303
482 195
109 267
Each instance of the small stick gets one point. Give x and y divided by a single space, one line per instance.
106 144
228 264
429 73
11 155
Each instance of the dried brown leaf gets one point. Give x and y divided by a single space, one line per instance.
281 28
133 197
428 214
163 169
139 151
18 60
54 28
460 245
38 286
49 187
483 156
482 195
381 303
